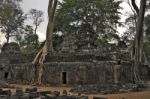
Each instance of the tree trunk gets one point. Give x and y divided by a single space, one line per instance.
35 29
36 41
41 55
7 37
139 42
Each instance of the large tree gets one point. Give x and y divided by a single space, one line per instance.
101 16
138 41
11 18
47 45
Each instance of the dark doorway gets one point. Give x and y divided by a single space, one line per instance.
6 75
64 77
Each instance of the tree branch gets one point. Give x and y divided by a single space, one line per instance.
50 7
128 2
135 6
54 8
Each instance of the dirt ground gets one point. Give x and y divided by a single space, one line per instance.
131 95
135 95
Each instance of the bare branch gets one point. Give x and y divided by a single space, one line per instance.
128 2
135 6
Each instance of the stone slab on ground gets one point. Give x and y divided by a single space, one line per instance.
4 97
99 98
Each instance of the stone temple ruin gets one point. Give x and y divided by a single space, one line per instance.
85 65
79 62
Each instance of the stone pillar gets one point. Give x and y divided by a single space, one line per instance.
116 73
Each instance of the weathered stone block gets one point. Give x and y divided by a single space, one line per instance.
33 95
43 97
33 89
68 97
84 97
14 97
24 97
99 98
43 93
4 97
19 92
5 92
56 93
50 96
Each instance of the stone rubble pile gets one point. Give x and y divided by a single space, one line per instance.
32 93
129 87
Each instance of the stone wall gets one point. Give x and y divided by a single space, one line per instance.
93 67
72 73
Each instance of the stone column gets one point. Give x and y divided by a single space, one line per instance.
116 73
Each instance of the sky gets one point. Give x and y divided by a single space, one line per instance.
43 4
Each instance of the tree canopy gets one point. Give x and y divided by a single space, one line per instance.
11 18
101 15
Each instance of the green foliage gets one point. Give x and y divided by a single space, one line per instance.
27 49
57 40
28 40
11 18
147 37
147 29
101 15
